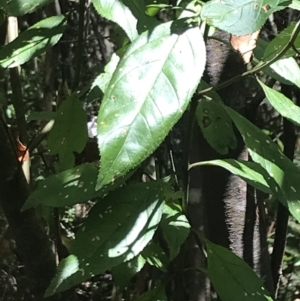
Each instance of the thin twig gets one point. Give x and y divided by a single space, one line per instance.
79 49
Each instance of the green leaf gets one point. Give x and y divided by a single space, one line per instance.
153 9
66 268
75 185
175 228
155 256
20 7
232 278
295 4
276 45
123 273
101 82
285 70
69 133
147 94
250 172
213 118
157 294
282 104
119 13
239 17
116 230
33 41
43 115
138 9
284 176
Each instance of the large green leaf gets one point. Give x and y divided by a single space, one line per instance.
33 41
285 70
239 17
148 93
72 186
282 104
250 172
20 7
284 176
69 133
175 228
232 278
213 118
116 230
276 45
119 13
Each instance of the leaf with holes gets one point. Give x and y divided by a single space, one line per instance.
148 93
116 230
250 172
284 176
282 104
73 186
33 42
232 278
239 17
213 118
69 133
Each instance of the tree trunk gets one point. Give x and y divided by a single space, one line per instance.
219 202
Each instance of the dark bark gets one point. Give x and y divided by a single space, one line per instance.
33 245
223 207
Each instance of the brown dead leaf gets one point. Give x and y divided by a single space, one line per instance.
245 45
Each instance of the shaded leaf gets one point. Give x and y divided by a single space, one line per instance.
123 273
157 294
251 172
43 115
116 230
239 17
20 7
280 41
282 104
75 185
155 256
69 133
284 175
232 278
175 228
147 94
33 41
213 118
138 9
